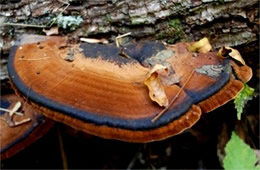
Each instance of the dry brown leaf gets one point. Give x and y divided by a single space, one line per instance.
93 40
201 46
233 53
160 69
170 79
51 31
156 89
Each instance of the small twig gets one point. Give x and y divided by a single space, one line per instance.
33 59
9 119
134 159
121 36
124 35
21 122
11 123
62 151
132 162
124 54
152 166
25 25
93 40
54 20
173 100
7 110
15 108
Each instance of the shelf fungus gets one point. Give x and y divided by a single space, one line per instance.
140 92
20 125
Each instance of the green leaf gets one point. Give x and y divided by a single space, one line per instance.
241 99
239 155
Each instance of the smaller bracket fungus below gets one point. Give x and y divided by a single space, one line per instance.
20 125
104 93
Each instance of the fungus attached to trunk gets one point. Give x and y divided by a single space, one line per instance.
19 127
103 93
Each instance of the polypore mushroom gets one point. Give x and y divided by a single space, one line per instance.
18 129
100 89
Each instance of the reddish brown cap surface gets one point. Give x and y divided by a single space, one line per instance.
97 89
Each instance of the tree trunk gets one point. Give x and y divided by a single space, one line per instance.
224 22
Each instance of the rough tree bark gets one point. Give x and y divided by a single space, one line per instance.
224 22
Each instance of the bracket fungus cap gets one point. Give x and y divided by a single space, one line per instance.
21 129
100 89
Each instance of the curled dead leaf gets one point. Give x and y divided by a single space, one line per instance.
230 52
156 89
51 31
160 69
201 46
170 79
